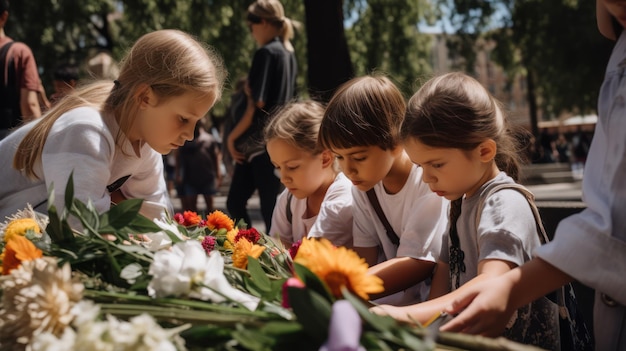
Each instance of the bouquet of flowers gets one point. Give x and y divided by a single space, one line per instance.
124 282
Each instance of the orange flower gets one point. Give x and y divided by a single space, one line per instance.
191 218
18 250
338 267
218 220
19 227
243 249
230 239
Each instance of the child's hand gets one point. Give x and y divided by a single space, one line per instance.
484 308
395 312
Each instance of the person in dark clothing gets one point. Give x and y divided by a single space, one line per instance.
271 84
197 170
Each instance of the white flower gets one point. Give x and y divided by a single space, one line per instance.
131 272
161 240
49 342
187 271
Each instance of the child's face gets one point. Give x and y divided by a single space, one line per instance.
300 171
365 165
167 125
449 172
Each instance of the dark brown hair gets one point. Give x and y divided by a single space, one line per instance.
364 111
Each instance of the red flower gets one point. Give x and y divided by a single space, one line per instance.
251 234
293 250
178 217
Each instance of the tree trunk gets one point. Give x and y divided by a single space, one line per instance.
329 63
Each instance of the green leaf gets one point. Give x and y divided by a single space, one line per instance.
258 276
123 213
141 224
313 312
312 281
69 191
380 323
87 214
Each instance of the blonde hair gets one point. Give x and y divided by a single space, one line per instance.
297 123
170 62
273 12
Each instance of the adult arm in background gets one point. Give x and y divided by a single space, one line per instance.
244 123
591 238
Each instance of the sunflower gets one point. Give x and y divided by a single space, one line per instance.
218 220
338 267
243 249
18 250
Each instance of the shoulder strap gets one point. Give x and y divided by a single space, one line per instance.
3 59
529 197
371 195
288 207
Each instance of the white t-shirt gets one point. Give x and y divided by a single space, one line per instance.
416 214
82 143
333 222
507 230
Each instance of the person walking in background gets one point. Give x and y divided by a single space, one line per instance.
234 113
271 84
398 221
457 132
589 246
19 80
317 200
110 135
198 170
65 79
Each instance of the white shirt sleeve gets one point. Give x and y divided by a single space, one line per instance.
81 145
280 225
334 221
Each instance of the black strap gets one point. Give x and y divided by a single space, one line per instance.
371 195
10 114
288 207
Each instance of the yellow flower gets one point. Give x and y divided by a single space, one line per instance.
230 239
19 227
18 250
243 249
338 267
218 220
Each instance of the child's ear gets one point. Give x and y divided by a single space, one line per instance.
145 96
487 150
327 158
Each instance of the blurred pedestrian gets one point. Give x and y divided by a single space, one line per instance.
19 80
197 170
271 84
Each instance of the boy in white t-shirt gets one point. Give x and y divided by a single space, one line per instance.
398 221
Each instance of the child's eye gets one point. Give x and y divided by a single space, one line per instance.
437 165
292 168
182 119
359 159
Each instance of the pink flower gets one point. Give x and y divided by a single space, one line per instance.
208 243
178 217
290 283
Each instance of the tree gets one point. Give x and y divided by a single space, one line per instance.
563 63
328 55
